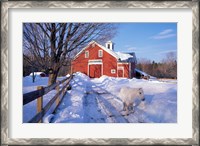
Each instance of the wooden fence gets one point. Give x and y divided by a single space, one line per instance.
38 95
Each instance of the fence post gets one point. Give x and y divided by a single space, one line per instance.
40 103
63 90
58 98
67 82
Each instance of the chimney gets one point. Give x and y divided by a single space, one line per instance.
110 45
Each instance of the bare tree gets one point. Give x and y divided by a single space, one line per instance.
35 48
167 68
144 65
52 44
170 65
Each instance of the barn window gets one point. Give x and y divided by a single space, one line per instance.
100 53
86 54
113 71
108 46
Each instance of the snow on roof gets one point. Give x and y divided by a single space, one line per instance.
130 57
36 73
123 56
141 72
145 74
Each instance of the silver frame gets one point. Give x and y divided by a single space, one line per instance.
5 140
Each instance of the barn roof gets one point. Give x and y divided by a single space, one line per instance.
122 57
141 72
102 47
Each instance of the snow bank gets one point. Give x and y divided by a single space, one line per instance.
71 109
29 110
82 75
160 105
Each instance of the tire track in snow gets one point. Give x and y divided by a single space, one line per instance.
111 111
92 113
102 106
110 104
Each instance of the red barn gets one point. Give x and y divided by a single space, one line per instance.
96 60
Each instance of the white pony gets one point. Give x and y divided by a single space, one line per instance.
128 95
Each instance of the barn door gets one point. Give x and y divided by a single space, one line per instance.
95 71
120 71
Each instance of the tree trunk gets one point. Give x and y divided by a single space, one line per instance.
53 76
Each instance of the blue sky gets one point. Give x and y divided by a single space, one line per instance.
148 40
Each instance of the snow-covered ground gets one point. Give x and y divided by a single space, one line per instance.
97 101
29 110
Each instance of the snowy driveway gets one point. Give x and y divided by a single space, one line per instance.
88 104
97 101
